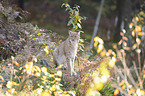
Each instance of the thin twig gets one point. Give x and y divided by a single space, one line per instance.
137 74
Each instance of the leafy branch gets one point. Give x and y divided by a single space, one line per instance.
75 18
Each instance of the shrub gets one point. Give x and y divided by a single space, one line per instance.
128 55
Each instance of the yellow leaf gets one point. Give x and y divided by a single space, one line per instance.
96 38
37 69
131 91
130 25
60 66
124 86
59 73
111 64
90 92
53 81
20 76
124 43
12 91
39 34
46 50
30 63
113 53
134 46
142 92
96 43
119 43
141 13
99 85
125 38
120 84
53 88
103 53
110 51
86 61
37 74
51 75
143 75
138 40
136 18
29 68
57 79
100 41
100 48
11 83
16 63
137 28
140 33
105 72
44 69
133 33
45 93
116 91
31 35
121 33
20 68
1 78
59 42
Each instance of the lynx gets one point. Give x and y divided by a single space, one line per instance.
65 53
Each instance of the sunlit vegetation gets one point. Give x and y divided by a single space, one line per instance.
129 74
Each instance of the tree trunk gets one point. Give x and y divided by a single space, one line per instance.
21 4
124 15
96 25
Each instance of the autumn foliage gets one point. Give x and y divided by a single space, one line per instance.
29 71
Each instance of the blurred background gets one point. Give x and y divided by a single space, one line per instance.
116 14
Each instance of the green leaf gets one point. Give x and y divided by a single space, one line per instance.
77 13
73 26
44 43
79 20
69 22
66 5
62 4
72 30
76 27
67 9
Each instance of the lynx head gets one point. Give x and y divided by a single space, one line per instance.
74 36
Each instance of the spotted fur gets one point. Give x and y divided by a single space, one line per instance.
65 53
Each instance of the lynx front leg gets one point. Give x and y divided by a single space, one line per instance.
69 66
74 73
